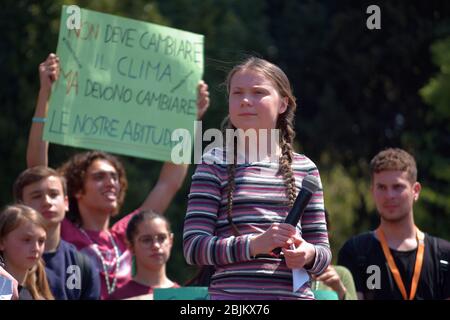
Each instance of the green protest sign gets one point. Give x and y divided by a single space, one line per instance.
124 86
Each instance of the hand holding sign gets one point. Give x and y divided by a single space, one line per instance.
49 72
125 85
202 99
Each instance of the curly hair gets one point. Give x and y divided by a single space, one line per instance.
284 124
75 169
394 159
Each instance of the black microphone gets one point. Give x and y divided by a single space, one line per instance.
310 184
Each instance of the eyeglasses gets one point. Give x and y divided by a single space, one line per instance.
149 241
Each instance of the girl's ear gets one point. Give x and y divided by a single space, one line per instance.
171 238
66 203
284 105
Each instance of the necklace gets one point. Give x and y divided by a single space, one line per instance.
109 287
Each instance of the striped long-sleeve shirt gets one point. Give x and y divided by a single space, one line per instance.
259 200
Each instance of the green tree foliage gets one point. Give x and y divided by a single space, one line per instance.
435 143
357 89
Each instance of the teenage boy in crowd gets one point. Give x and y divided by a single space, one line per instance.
397 260
71 275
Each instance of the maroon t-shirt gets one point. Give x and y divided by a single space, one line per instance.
133 289
94 243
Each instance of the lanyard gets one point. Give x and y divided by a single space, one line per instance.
393 267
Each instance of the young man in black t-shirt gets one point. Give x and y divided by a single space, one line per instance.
397 261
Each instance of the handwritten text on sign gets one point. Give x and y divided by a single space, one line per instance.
124 86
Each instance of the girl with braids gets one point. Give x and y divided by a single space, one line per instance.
236 212
22 240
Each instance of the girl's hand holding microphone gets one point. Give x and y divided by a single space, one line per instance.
279 235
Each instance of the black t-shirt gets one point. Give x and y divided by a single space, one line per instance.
363 254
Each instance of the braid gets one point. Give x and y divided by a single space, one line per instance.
231 186
284 124
287 137
231 169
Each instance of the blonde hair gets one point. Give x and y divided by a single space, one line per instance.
284 124
10 219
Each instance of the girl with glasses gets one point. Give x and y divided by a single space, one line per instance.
150 241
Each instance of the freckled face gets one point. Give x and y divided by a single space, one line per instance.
254 102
